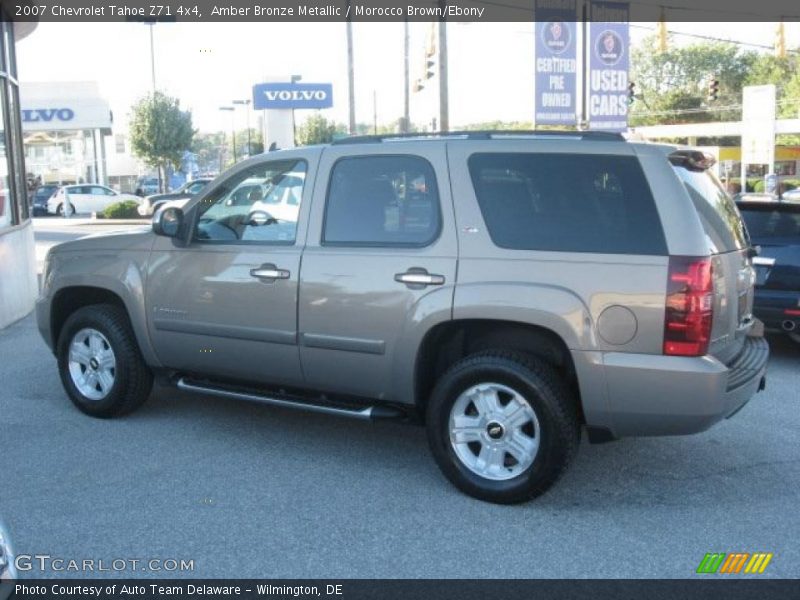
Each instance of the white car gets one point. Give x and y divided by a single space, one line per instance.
86 198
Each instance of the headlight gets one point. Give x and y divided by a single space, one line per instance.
8 570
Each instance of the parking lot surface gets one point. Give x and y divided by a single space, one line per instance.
246 490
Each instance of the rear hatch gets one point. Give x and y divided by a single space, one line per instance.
730 251
775 227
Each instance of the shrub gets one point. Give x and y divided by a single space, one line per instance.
121 210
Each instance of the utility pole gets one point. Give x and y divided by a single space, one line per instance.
780 41
662 32
152 56
444 108
375 112
351 87
406 100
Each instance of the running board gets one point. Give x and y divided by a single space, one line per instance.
365 414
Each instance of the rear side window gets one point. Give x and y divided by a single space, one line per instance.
718 213
382 201
567 202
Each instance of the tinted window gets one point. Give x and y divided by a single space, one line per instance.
718 214
382 200
770 222
239 209
567 202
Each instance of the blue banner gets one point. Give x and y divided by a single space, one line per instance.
292 95
556 64
609 58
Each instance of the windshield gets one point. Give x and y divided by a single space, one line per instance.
721 220
771 223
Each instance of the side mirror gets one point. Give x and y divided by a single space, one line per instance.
168 221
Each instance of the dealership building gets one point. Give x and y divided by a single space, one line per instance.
18 284
69 137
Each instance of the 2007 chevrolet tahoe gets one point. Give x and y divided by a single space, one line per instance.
506 289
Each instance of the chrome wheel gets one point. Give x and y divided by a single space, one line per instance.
494 431
92 364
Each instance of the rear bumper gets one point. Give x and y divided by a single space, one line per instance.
771 305
673 395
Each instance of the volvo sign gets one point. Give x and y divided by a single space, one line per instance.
268 96
47 114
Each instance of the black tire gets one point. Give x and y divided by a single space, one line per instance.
542 388
60 210
133 380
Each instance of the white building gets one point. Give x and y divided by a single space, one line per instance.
70 136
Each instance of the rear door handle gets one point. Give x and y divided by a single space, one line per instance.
416 278
269 272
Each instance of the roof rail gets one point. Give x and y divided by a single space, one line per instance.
599 136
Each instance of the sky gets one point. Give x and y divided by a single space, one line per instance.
207 65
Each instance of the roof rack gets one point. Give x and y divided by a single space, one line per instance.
597 136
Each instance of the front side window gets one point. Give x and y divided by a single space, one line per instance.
382 201
567 203
251 207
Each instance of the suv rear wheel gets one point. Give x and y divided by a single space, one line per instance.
502 426
100 364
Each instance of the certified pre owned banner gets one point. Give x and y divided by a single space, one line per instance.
609 57
556 64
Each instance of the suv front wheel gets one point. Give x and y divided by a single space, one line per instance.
100 364
502 426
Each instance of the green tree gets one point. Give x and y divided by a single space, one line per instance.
160 131
672 86
210 149
317 130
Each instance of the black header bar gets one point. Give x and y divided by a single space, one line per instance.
282 11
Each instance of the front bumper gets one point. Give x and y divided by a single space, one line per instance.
673 395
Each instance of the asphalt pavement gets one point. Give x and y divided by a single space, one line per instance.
248 490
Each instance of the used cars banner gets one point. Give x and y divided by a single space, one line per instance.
609 58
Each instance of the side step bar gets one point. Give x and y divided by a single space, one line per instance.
365 414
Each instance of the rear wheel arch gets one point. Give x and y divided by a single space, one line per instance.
448 342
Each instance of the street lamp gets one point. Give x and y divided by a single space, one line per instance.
246 104
231 110
151 25
295 79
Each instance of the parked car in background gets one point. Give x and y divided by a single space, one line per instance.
775 227
85 198
40 198
146 186
791 195
151 204
756 197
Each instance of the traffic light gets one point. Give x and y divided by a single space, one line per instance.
780 41
713 89
631 92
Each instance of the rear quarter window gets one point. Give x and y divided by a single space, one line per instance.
719 216
567 202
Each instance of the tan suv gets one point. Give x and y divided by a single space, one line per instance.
505 289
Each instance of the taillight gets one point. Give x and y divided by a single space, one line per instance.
690 306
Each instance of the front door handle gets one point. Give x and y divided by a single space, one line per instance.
269 272
417 278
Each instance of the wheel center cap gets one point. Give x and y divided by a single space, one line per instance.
94 364
495 430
